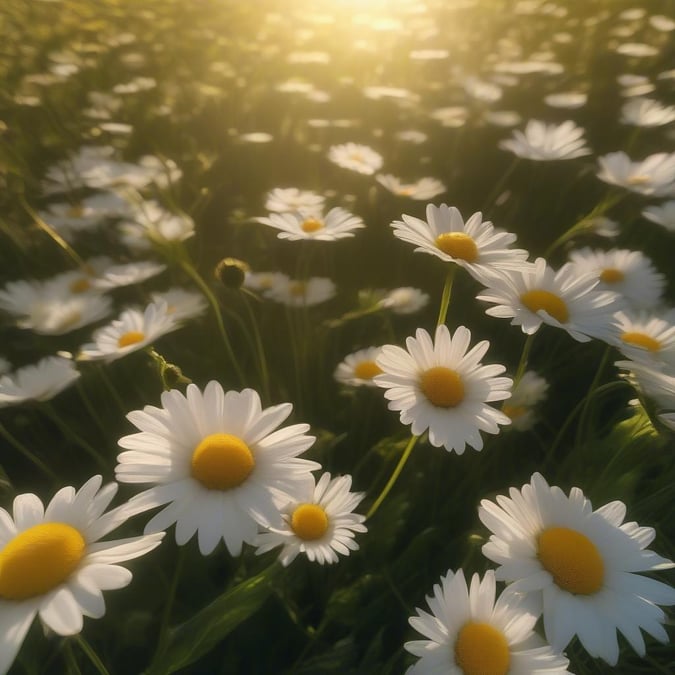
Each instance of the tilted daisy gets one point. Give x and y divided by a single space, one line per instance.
655 175
475 245
530 390
355 157
296 293
424 188
441 386
646 112
359 368
39 382
644 337
219 463
53 564
319 523
469 633
127 274
336 224
182 305
546 142
283 200
652 382
265 282
537 294
579 566
663 215
132 331
404 300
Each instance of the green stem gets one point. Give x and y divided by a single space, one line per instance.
447 292
524 356
585 410
496 191
260 349
111 389
91 654
16 444
392 479
168 606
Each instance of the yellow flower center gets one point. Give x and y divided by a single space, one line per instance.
76 211
297 289
611 275
458 245
481 649
222 462
309 521
366 370
130 338
537 299
442 386
638 179
80 285
514 411
641 340
38 560
311 225
572 559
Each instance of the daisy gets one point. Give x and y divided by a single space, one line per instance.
546 142
132 331
645 112
475 245
424 188
663 215
469 633
579 566
537 294
153 224
530 390
318 523
404 300
442 387
336 224
295 293
54 565
654 175
127 274
359 368
265 282
645 338
651 381
355 157
284 200
182 305
628 273
218 464
39 382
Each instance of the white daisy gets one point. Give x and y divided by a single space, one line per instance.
530 390
182 305
132 331
475 245
652 381
404 300
54 565
359 368
355 157
39 382
579 566
336 224
663 215
655 175
628 273
152 223
424 188
644 337
645 112
217 461
318 523
295 293
471 634
127 274
440 386
265 282
536 294
546 142
283 200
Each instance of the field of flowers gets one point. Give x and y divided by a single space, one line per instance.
337 337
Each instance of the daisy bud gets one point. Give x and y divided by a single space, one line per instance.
231 272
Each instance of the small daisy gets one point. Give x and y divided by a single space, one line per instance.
423 189
536 294
404 300
651 381
39 382
645 338
546 142
53 564
471 634
475 245
530 390
359 368
355 157
579 566
663 215
654 176
336 224
265 282
284 200
628 273
127 274
152 223
645 112
132 331
218 462
319 523
182 305
442 387
295 293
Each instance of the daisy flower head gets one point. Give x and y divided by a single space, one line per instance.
182 305
218 462
537 294
646 112
404 300
117 276
319 523
423 189
578 567
530 390
655 175
630 274
475 245
546 142
133 330
53 563
651 380
356 157
284 200
297 293
663 215
440 385
645 338
265 282
39 382
336 224
472 632
359 368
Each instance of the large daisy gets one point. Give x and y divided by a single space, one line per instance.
579 566
39 382
471 634
475 245
217 461
441 386
53 564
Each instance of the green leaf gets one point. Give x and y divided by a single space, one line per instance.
198 635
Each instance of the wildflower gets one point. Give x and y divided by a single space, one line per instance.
38 382
336 224
265 282
181 305
654 175
232 272
529 391
295 293
127 274
644 337
645 112
404 300
355 157
359 368
545 142
218 463
285 200
153 224
663 215
424 188
578 567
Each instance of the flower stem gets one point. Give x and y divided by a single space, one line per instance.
390 483
524 356
447 292
30 456
585 410
260 349
91 654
